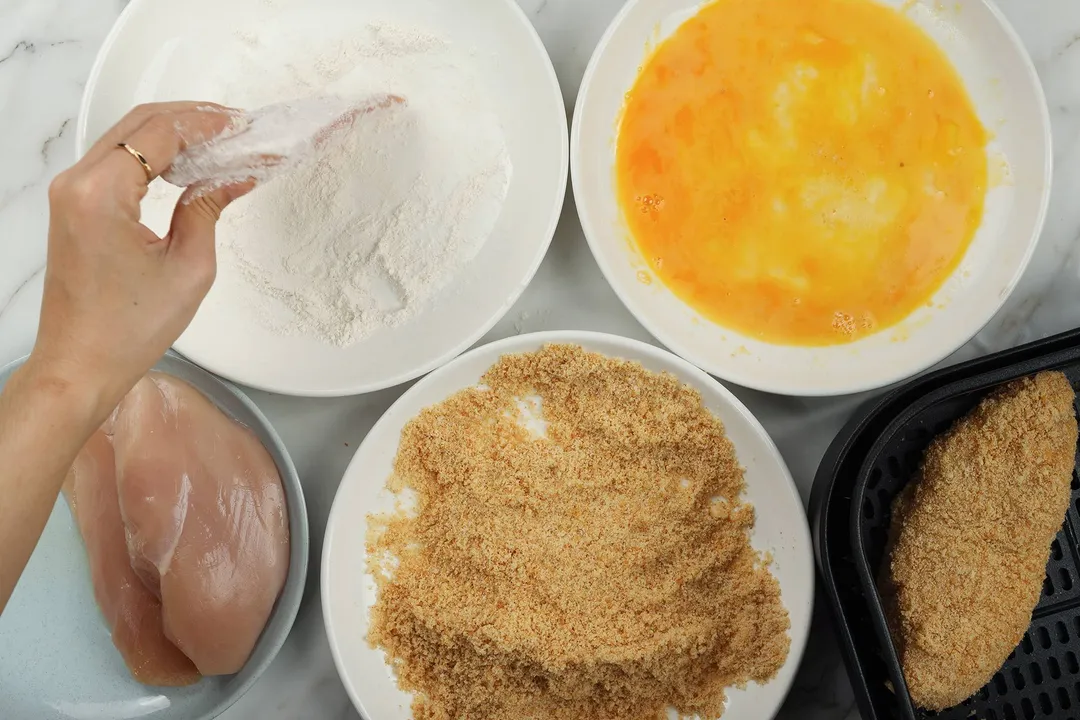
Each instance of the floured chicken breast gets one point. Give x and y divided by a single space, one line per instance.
205 516
130 609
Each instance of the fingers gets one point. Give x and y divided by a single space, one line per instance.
133 121
160 139
191 237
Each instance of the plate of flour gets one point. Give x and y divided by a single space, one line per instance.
403 239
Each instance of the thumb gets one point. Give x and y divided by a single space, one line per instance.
196 215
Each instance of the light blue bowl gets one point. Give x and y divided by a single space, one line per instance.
57 659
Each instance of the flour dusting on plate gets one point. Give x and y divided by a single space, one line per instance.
387 213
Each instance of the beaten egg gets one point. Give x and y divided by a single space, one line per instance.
804 172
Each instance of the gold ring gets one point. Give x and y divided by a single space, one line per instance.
141 158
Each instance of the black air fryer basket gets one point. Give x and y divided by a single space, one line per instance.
864 469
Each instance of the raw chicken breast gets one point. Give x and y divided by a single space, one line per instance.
132 611
206 521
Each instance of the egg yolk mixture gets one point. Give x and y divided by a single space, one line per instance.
804 172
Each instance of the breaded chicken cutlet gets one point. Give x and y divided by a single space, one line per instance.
971 534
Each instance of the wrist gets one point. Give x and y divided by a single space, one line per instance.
82 397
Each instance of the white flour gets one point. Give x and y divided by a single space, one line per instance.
386 214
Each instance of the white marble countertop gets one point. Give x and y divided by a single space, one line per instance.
46 50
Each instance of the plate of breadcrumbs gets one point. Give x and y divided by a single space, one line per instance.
567 525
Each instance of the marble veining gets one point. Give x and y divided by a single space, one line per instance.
46 51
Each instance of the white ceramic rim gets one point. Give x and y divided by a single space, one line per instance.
519 343
468 340
779 386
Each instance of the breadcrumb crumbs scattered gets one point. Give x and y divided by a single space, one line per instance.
970 538
601 570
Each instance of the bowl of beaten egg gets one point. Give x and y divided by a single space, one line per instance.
811 197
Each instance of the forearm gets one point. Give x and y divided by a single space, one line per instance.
44 422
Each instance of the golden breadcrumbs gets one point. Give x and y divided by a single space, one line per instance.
599 571
970 538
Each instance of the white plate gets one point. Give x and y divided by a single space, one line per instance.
1002 83
150 55
348 591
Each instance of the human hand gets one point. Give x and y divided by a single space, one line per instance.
117 295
